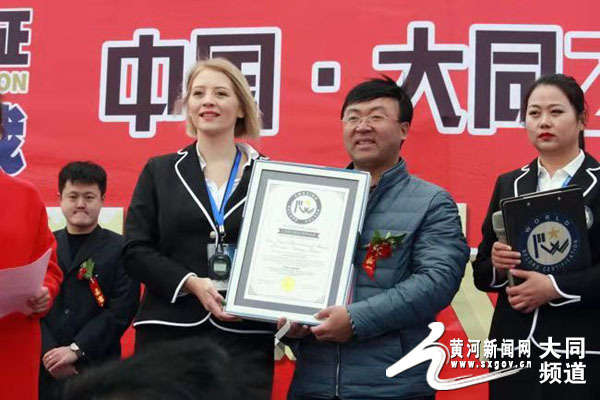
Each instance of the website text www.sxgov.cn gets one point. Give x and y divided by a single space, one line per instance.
489 364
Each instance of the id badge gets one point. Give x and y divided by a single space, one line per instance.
219 264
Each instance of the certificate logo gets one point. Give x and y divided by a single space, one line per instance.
550 242
303 207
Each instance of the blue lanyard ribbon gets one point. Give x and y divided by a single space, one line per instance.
219 212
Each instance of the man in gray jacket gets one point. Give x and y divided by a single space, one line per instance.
401 282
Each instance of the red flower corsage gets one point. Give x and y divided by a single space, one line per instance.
379 247
86 271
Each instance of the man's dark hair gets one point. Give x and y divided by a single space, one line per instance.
380 87
188 369
82 172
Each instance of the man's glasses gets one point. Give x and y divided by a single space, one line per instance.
352 121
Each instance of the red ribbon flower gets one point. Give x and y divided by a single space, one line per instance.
86 271
379 247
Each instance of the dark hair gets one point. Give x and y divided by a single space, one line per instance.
188 369
82 172
571 89
380 87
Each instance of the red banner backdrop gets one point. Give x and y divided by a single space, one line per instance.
98 81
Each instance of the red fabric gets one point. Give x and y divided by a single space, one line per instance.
24 237
284 372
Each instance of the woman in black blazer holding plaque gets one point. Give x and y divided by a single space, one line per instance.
561 305
185 206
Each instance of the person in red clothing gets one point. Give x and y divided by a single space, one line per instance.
24 237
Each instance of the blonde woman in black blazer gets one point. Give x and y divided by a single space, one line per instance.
170 220
564 304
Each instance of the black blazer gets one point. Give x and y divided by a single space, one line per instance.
75 315
167 230
575 318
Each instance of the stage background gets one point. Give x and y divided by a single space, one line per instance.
97 81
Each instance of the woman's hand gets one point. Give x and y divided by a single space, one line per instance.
534 292
504 259
296 330
209 296
41 302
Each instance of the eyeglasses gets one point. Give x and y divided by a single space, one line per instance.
352 121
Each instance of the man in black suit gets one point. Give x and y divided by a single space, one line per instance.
97 300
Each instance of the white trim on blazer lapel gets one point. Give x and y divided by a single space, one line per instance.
594 179
232 209
198 202
526 169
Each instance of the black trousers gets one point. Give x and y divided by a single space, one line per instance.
49 388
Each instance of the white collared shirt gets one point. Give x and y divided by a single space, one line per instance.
219 192
560 176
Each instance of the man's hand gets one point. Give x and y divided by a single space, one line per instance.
64 371
296 331
209 296
57 358
534 292
40 302
336 328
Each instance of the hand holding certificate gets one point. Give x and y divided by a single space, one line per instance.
19 285
297 241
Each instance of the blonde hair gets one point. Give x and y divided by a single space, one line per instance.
250 124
